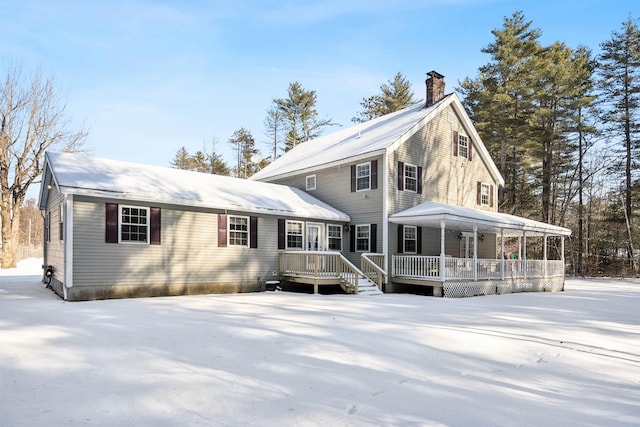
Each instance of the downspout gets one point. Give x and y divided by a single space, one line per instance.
385 214
68 244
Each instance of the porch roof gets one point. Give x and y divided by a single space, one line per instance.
430 214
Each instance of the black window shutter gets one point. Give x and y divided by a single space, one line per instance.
491 195
222 231
281 233
419 179
400 238
155 226
400 176
479 193
374 174
353 178
373 236
111 223
419 240
352 239
253 232
455 143
470 148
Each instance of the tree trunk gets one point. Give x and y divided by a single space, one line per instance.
10 227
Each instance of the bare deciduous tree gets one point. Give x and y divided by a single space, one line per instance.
32 120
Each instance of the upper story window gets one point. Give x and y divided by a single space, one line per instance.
363 176
134 224
238 230
311 182
484 194
462 145
334 234
294 234
410 177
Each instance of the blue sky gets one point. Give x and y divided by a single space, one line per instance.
147 77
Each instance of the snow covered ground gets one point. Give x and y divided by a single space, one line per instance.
284 359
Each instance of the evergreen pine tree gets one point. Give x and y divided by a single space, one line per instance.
300 119
620 90
395 95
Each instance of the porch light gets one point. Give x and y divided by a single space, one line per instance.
460 235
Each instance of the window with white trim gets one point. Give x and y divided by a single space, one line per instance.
410 177
363 176
295 235
311 182
485 194
334 235
362 238
410 239
238 230
463 146
134 224
47 227
61 222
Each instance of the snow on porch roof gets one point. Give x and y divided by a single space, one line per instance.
82 175
461 218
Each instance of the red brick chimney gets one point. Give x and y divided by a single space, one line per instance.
435 88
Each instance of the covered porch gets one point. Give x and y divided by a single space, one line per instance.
454 275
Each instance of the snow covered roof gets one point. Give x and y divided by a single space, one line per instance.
457 217
82 175
377 136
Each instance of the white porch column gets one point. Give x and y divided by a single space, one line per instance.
544 255
442 275
562 249
502 251
524 252
475 252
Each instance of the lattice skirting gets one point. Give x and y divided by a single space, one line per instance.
491 287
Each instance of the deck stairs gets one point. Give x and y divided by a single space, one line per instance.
367 287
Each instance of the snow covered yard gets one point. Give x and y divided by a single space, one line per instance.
283 359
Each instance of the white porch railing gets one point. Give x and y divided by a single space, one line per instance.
428 268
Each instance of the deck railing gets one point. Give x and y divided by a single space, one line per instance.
372 267
428 267
320 264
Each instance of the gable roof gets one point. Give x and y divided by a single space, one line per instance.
82 175
375 137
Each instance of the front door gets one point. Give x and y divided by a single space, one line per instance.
315 237
466 245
